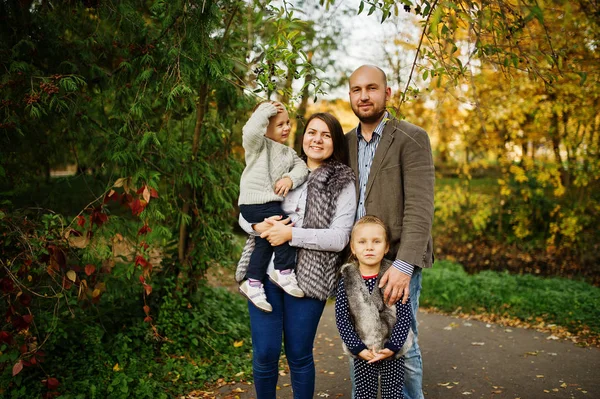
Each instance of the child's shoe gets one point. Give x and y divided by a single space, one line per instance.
256 295
286 280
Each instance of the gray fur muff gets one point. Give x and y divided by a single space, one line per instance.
316 271
373 320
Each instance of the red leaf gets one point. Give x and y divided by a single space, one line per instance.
98 217
52 383
32 361
111 195
17 368
139 260
142 280
138 206
140 190
144 230
144 245
28 319
6 337
153 193
80 220
147 309
90 269
148 289
66 283
23 348
148 319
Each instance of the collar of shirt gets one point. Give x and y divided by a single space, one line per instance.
378 130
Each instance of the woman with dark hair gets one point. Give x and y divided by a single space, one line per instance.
322 211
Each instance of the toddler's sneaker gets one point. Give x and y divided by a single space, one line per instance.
286 280
256 295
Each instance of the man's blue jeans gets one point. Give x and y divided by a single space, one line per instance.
413 364
296 320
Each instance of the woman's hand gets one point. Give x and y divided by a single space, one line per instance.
265 225
382 354
279 233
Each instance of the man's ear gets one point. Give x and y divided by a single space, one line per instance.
388 93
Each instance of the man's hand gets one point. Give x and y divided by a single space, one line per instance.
283 186
396 286
279 233
382 354
366 354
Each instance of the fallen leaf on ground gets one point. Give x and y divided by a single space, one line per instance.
477 343
539 376
552 337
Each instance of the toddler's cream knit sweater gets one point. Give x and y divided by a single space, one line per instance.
266 161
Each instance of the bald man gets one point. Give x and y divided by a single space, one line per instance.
393 164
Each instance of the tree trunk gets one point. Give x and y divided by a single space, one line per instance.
555 137
301 113
187 194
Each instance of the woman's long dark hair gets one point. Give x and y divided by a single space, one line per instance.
340 145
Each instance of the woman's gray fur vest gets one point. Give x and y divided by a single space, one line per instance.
372 319
316 270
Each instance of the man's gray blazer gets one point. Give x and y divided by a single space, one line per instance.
400 189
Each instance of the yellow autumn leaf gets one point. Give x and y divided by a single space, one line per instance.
116 367
71 275
237 344
120 181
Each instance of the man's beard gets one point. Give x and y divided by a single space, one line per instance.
372 117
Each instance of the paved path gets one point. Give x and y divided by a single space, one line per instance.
465 359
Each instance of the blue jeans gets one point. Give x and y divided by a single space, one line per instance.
413 364
296 320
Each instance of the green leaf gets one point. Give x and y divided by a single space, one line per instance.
537 13
361 7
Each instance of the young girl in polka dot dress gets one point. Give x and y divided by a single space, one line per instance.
374 334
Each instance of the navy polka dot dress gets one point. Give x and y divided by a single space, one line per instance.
390 370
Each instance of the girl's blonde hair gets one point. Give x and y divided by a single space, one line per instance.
368 219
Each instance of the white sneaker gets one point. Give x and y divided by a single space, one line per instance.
256 295
286 282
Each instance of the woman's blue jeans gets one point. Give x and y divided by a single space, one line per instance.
295 320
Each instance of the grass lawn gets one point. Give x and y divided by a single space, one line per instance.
573 305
